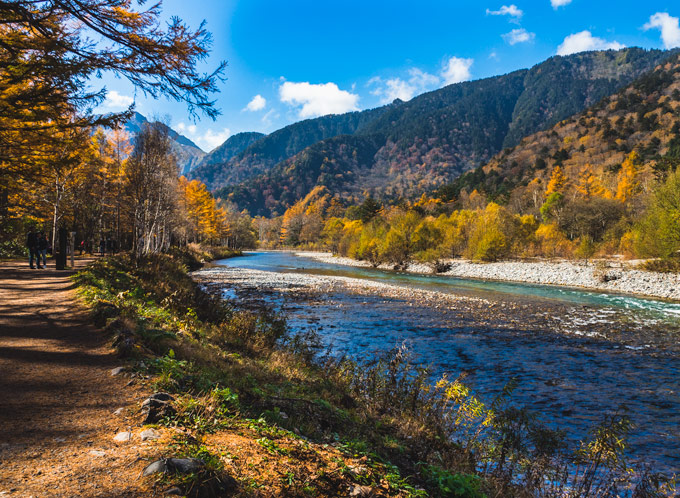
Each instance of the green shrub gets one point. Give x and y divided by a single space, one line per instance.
452 485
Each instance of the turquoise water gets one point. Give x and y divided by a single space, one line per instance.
576 354
643 308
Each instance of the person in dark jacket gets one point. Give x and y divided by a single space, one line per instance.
32 244
43 244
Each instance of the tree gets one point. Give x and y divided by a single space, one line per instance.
553 206
151 175
50 53
50 41
659 231
628 184
590 185
557 182
369 209
589 218
493 234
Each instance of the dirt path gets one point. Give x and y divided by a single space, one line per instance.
58 397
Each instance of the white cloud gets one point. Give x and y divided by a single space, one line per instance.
257 104
520 35
268 118
182 128
208 139
559 3
318 100
115 100
456 69
584 41
211 139
396 88
507 10
669 26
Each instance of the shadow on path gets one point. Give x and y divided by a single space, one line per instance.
57 395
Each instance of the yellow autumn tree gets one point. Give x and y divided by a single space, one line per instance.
628 184
303 221
590 185
557 182
205 221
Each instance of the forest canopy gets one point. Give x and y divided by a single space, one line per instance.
56 169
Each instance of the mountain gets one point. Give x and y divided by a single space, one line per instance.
186 152
211 164
406 148
615 149
265 153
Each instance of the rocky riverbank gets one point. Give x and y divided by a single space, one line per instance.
611 276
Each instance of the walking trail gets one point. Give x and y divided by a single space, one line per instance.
58 396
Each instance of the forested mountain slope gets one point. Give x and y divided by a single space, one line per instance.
212 163
404 149
615 149
265 153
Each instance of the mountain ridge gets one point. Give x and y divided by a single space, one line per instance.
185 151
427 141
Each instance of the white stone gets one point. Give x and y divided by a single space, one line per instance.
123 437
149 434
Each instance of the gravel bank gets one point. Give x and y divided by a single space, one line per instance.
313 285
616 277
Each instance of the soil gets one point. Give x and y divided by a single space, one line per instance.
58 397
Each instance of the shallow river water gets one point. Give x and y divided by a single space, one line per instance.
576 354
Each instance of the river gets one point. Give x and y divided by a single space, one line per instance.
576 354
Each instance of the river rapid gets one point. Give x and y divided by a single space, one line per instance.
577 355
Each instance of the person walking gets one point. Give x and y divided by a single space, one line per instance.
43 244
32 244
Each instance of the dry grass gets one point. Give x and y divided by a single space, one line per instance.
281 423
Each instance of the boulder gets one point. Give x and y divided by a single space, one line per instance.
360 491
174 465
156 407
117 371
122 437
149 434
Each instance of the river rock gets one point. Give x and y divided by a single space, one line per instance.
362 491
123 437
174 465
149 435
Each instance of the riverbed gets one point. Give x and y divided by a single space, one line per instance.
577 355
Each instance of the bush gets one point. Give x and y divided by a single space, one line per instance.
246 329
488 245
453 485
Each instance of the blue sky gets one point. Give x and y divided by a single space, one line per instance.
301 58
